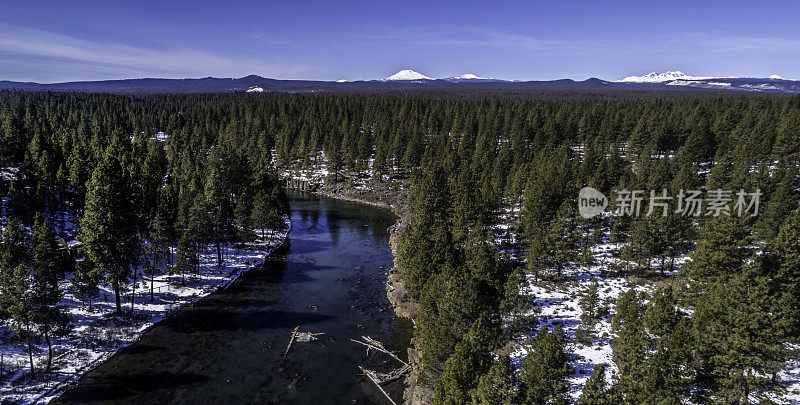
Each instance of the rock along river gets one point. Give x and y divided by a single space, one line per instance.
228 347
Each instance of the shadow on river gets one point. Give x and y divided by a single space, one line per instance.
228 347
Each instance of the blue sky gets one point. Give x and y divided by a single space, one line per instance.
48 41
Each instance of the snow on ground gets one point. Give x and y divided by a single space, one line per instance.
558 303
9 173
790 379
97 335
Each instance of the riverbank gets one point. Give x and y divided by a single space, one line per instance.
98 335
390 196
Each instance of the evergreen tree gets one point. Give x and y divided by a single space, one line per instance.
85 281
108 228
497 386
156 253
464 367
244 219
590 303
50 317
783 261
629 345
425 246
18 301
13 248
543 375
596 390
263 212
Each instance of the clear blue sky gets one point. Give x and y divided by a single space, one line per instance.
49 41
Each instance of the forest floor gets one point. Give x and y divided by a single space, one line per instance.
98 334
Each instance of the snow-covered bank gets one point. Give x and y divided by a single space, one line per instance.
97 335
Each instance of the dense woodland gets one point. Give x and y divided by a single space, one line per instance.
716 329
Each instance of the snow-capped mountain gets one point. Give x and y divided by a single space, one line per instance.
660 77
408 74
470 78
673 80
773 83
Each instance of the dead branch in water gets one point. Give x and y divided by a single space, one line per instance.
374 378
376 345
291 340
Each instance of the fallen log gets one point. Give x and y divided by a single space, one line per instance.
372 377
371 343
291 340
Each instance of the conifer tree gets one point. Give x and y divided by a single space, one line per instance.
13 250
784 262
18 301
108 228
244 221
596 390
262 212
425 246
497 386
85 281
463 368
543 376
50 317
156 253
630 348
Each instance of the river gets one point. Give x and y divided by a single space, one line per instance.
228 347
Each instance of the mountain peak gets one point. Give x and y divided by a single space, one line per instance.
408 74
469 76
656 77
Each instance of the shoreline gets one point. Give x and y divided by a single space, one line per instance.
59 387
402 304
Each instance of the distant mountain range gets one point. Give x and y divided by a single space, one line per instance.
409 79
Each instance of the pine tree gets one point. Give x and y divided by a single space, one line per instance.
85 281
156 253
18 301
517 305
596 390
554 245
668 342
739 339
543 375
425 246
497 386
780 205
629 345
784 259
50 317
13 249
722 248
13 252
590 303
108 228
262 212
244 219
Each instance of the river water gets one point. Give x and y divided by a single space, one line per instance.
228 347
